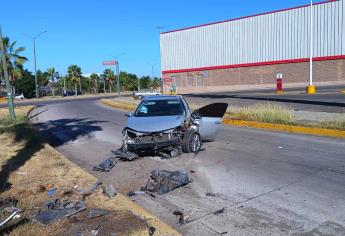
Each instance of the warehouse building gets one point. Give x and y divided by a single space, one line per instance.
252 50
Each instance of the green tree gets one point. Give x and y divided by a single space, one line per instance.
110 77
14 60
128 81
155 83
145 82
26 84
74 75
94 78
52 75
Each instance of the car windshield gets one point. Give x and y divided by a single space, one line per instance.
160 108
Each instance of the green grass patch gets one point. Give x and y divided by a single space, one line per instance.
268 113
7 121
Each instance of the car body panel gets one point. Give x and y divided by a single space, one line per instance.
154 123
210 120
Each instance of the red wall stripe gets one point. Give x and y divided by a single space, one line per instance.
244 17
255 64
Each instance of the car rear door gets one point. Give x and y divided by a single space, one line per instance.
210 119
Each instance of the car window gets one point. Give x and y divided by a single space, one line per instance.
160 108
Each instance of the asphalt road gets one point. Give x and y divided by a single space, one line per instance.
42 102
327 98
268 183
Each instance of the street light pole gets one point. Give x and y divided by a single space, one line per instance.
35 66
117 72
160 54
311 88
7 81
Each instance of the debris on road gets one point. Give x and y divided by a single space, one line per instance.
106 165
220 211
96 212
162 181
55 209
125 155
10 217
209 194
180 216
109 190
88 191
133 193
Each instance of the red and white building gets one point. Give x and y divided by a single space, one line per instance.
252 50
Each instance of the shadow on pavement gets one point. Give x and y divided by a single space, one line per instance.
66 130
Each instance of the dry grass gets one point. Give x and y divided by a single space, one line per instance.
268 113
21 115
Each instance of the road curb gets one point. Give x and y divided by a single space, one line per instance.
286 128
252 124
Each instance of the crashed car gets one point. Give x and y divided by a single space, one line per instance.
165 124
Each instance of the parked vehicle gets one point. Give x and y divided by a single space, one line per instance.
19 96
144 93
165 124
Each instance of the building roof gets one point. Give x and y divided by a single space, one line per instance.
244 17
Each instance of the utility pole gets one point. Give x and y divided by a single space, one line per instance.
311 88
7 81
35 66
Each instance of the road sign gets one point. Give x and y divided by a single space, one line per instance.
279 76
109 63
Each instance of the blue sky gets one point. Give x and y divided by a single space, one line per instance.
86 32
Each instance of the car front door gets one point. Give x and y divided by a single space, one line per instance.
210 120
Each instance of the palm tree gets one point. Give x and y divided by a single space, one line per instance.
109 76
74 74
52 74
14 60
94 80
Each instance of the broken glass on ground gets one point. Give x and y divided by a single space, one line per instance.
105 165
55 209
163 181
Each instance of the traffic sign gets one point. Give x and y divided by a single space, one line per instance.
109 63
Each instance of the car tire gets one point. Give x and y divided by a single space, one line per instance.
191 141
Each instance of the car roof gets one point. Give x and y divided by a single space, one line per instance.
161 97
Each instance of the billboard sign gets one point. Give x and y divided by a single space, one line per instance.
109 63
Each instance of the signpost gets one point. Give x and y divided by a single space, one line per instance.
114 63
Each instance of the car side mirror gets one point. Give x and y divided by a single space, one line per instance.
196 114
128 114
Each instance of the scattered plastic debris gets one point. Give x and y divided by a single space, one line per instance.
125 155
180 216
162 181
220 211
88 191
105 165
109 190
152 230
133 193
209 194
54 210
96 212
10 217
52 191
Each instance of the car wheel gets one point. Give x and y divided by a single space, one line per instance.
191 141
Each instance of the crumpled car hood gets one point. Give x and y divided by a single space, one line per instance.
154 123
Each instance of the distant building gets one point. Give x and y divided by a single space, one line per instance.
252 50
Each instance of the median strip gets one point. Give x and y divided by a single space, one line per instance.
281 116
